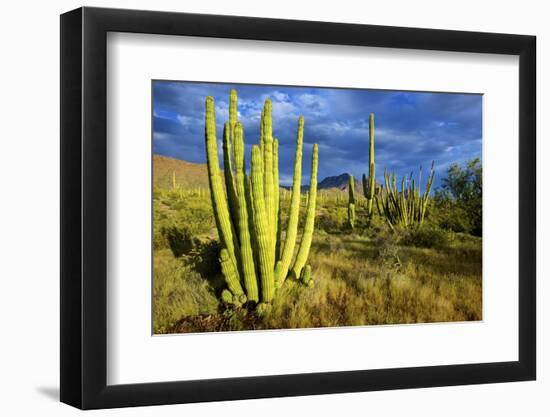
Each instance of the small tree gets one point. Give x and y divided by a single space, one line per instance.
461 195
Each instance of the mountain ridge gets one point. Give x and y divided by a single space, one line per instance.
195 175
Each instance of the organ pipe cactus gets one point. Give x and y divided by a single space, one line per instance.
307 235
369 183
292 226
351 202
247 213
219 202
369 192
262 227
247 256
408 205
306 276
232 277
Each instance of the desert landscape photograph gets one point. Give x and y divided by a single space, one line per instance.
286 207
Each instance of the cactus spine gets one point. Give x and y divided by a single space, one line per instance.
307 235
247 213
351 202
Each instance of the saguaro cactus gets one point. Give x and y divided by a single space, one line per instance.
351 202
247 214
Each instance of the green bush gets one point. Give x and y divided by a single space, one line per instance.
387 244
459 200
180 240
332 219
426 237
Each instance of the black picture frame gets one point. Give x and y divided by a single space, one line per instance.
84 207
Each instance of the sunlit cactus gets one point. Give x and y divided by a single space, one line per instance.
292 226
306 276
219 201
247 256
174 182
369 189
307 235
405 206
231 276
351 202
254 259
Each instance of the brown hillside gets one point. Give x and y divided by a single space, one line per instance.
188 175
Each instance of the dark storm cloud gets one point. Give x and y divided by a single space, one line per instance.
412 129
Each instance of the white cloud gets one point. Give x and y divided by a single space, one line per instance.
186 120
279 96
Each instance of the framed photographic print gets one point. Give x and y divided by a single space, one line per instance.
257 208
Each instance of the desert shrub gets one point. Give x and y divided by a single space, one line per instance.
180 219
377 226
332 220
426 237
180 240
387 244
453 217
204 260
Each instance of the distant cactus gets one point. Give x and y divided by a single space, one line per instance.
247 213
405 207
369 189
351 202
408 206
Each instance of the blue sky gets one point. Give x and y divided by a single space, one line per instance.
411 128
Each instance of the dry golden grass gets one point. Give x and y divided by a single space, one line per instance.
355 286
366 277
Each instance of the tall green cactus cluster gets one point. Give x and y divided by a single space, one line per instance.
351 202
405 206
254 259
